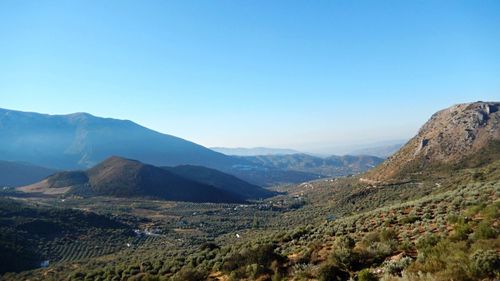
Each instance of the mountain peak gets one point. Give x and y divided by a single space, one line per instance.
81 140
121 177
79 115
118 159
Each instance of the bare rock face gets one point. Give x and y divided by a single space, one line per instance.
448 137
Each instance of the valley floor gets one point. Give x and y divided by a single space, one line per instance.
437 228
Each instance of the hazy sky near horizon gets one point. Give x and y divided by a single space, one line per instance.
310 75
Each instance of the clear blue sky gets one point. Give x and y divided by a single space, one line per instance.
300 74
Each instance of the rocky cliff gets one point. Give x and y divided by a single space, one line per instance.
450 136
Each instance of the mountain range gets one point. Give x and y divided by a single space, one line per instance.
80 140
331 166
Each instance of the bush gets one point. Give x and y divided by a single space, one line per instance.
345 242
446 260
343 254
409 219
484 231
189 274
345 258
388 235
427 242
396 267
486 263
462 232
370 238
492 211
366 275
331 272
254 261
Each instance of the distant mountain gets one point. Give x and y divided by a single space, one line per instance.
121 177
220 180
254 151
80 140
329 166
14 174
460 136
382 151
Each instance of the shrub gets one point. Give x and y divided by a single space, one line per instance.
345 258
254 261
331 272
366 275
345 242
189 274
388 235
492 211
486 263
446 260
370 238
484 231
303 271
209 246
409 219
462 232
427 242
343 254
396 267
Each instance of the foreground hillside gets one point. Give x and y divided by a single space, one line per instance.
31 234
439 229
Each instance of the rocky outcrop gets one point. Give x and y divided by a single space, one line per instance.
448 137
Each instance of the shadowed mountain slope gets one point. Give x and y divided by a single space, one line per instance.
18 174
220 180
121 177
